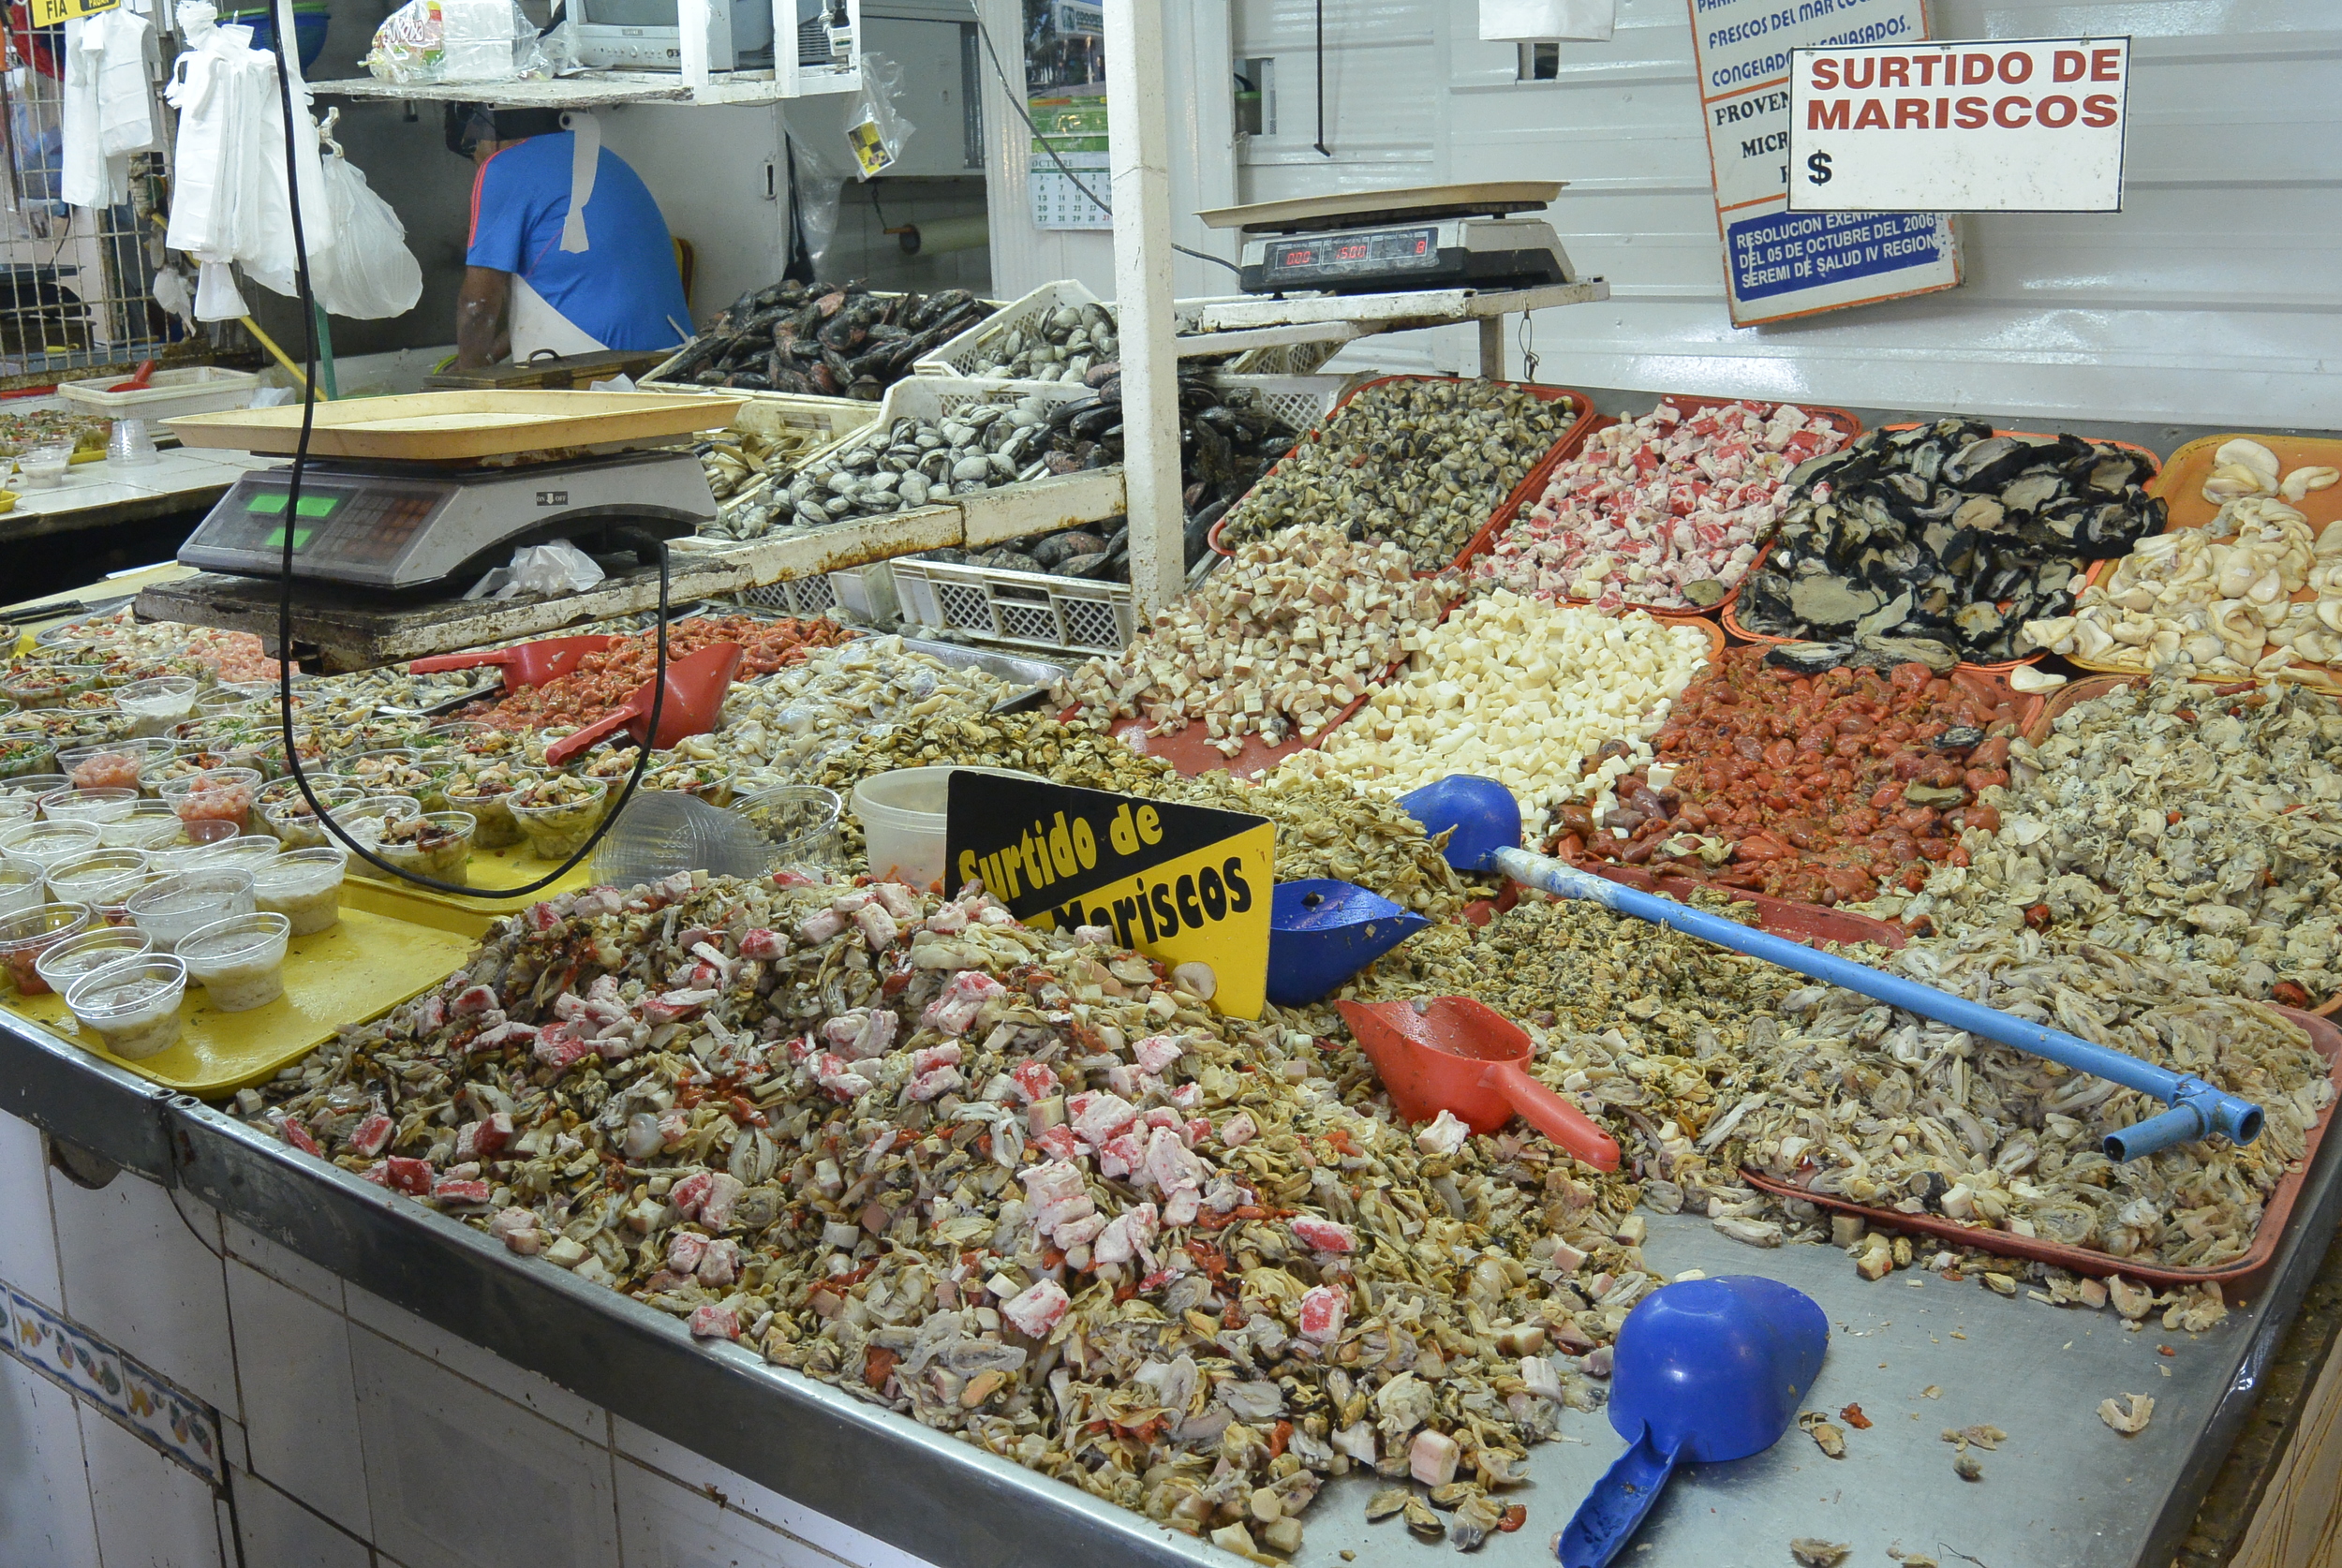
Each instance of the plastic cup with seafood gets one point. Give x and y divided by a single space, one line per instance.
799 821
460 734
437 844
150 825
558 814
46 685
240 961
214 795
157 703
32 786
96 807
713 782
296 825
246 851
485 791
36 847
59 966
27 934
304 886
20 890
132 1007
114 764
227 699
192 847
105 877
169 908
27 755
366 818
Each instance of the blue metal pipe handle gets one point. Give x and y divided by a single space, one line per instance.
2198 1109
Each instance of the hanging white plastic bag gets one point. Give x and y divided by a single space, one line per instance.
369 273
410 45
876 128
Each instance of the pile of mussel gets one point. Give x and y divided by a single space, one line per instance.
824 339
1947 534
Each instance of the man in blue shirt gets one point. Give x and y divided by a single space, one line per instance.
540 278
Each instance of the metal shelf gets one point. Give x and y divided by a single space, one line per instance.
603 89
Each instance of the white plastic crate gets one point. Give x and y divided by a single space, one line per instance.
863 596
958 356
1283 359
203 388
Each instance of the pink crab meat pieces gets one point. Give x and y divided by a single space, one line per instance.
763 944
1037 1309
954 1012
719 1265
561 1045
723 1193
1097 1118
449 1191
1238 1130
1127 1235
935 1084
1323 1235
473 1000
898 900
407 1176
1181 1205
1324 1308
834 1073
1158 1052
715 1322
1034 1080
518 1229
484 1140
877 927
1431 1459
819 926
372 1135
690 1192
1120 1155
684 1250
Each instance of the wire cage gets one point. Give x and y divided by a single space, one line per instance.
76 283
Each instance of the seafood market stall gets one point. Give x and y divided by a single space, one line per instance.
794 1196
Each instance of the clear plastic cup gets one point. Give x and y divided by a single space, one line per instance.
215 795
156 704
59 966
94 806
225 699
131 1007
37 846
799 822
150 825
246 851
558 829
17 808
24 936
114 765
32 786
191 851
20 891
304 886
437 844
107 876
240 961
169 909
363 817
296 826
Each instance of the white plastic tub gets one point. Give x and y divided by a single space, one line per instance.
203 388
903 815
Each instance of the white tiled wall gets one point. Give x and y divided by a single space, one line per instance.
357 1435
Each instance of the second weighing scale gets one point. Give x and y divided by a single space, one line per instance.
1393 241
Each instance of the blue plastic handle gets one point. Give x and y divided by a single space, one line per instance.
1616 1507
2198 1109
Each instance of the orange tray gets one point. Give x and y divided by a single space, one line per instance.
1537 475
1485 540
2324 1037
1733 625
2180 484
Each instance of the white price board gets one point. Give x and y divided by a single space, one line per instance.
2015 126
1778 264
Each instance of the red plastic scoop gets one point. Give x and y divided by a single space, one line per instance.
523 663
1453 1054
696 685
138 378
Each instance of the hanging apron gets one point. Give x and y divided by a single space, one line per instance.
537 326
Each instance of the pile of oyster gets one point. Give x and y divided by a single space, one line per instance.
1947 533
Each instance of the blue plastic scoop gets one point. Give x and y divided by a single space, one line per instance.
1320 932
1705 1370
1484 822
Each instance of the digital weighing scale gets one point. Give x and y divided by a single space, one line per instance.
1389 241
397 525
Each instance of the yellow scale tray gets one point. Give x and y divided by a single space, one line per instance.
364 966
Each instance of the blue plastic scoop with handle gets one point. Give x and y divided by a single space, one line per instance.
1704 1370
1483 821
1320 932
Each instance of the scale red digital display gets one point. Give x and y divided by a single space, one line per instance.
1330 257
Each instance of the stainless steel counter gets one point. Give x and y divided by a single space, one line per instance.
2064 1489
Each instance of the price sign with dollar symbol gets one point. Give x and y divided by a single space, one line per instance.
1779 263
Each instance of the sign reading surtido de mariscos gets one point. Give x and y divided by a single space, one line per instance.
1183 884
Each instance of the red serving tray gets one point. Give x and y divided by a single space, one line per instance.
1537 475
2323 1036
1733 625
1485 540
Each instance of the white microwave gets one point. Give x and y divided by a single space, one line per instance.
643 35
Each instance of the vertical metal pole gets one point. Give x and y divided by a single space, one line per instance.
1139 144
1492 347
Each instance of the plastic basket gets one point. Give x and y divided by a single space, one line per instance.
960 356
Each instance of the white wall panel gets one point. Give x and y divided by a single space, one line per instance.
2215 296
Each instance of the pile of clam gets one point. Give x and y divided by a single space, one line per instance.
1060 345
916 461
1419 461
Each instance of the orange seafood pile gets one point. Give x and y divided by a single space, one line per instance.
605 679
1821 788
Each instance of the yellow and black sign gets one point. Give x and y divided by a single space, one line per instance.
48 13
1183 884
